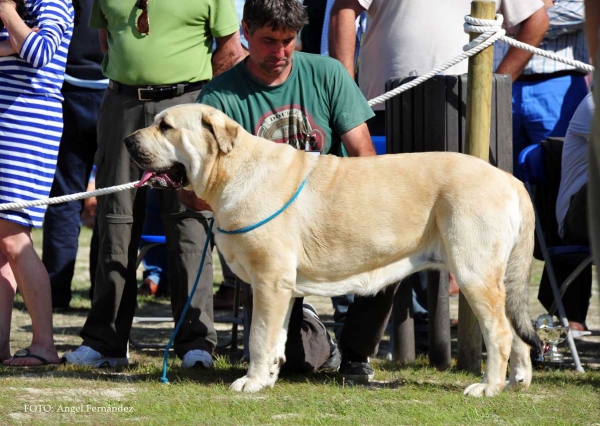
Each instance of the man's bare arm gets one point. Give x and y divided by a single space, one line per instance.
342 32
358 142
229 52
531 32
592 26
103 36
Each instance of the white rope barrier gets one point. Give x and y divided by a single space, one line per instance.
65 198
489 31
482 42
473 25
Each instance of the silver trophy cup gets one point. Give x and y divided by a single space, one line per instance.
552 335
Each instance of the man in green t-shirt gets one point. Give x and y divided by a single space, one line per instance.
157 54
309 102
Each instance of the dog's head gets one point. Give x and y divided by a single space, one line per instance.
181 143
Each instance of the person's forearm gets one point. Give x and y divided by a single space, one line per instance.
18 31
103 37
358 142
592 25
229 52
532 32
342 35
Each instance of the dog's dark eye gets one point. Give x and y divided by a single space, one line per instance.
164 126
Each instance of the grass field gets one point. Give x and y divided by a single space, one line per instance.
401 394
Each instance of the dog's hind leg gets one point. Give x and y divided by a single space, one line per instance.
520 364
270 316
487 299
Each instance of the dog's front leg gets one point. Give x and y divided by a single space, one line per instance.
270 316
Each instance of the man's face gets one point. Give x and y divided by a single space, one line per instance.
270 53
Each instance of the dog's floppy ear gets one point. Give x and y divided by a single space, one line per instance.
224 129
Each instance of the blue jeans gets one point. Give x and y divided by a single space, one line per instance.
542 109
62 222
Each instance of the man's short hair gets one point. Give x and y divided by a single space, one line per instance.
278 14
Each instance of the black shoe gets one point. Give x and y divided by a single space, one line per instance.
61 309
356 371
333 362
355 367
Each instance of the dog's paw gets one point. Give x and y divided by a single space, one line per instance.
246 384
521 380
482 389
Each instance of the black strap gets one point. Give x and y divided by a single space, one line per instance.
156 93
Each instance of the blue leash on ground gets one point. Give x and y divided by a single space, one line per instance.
164 379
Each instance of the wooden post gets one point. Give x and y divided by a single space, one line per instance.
479 89
438 325
479 95
403 326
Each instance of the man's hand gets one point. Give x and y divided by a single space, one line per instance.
189 199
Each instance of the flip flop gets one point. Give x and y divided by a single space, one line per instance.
26 353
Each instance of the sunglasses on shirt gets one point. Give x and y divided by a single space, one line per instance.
143 22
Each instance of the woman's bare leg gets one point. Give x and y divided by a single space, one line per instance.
34 285
8 288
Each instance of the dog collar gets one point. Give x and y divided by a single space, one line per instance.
273 216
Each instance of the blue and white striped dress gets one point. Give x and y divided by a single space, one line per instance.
30 108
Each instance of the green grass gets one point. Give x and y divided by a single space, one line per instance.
402 394
415 394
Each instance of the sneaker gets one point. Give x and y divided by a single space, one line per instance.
148 288
223 298
356 371
356 368
197 358
84 355
332 364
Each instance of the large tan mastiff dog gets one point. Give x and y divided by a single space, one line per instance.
357 225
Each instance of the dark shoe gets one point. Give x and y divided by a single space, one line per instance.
223 298
356 371
355 368
148 288
333 362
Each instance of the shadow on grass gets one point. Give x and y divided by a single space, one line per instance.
404 376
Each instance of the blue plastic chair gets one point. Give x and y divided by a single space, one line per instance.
149 241
532 165
379 142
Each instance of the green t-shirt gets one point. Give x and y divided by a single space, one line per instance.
318 99
179 46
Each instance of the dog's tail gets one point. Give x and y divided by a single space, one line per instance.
518 273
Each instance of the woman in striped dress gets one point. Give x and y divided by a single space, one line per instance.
33 53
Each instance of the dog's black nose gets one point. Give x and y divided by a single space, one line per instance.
130 141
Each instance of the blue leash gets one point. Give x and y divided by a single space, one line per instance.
164 379
273 216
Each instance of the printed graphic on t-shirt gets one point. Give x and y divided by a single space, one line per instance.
293 126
